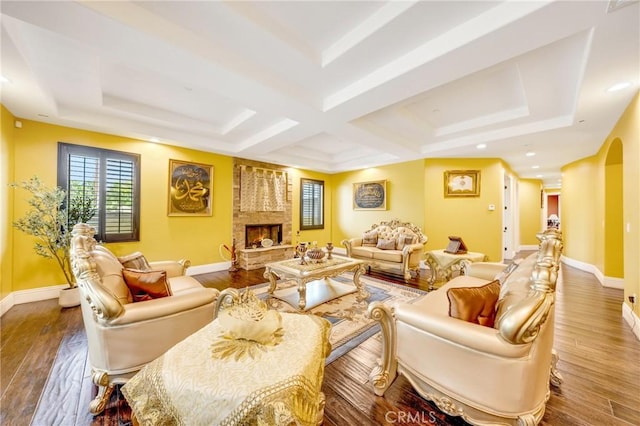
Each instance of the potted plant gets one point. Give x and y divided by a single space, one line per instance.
48 221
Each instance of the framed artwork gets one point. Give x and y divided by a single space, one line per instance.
190 188
462 183
370 195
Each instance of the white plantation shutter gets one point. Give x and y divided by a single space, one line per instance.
119 200
109 181
311 204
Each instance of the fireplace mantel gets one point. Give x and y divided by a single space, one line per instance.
256 258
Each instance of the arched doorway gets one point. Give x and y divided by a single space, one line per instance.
613 217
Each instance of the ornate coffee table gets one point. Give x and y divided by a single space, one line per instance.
314 283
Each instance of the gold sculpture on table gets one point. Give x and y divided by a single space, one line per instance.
249 327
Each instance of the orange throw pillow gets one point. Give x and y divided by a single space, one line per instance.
146 285
475 304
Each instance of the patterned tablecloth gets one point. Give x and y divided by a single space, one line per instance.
443 264
208 379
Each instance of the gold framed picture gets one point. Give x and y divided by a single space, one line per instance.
462 183
190 188
370 195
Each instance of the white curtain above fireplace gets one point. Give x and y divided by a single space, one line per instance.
262 190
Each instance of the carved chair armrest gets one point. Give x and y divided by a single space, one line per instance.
174 268
350 243
485 340
485 270
163 307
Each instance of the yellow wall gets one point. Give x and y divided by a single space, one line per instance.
161 236
6 201
628 131
613 214
584 201
530 210
405 199
469 218
579 212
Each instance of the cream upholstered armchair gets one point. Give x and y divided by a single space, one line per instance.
123 334
494 374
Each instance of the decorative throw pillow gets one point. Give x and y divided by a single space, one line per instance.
369 239
475 304
146 285
386 244
135 260
405 240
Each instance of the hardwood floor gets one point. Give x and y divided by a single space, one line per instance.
599 360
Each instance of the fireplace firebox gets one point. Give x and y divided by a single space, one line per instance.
255 233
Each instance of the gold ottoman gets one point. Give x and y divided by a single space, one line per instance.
208 379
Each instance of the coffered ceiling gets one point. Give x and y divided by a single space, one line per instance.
331 85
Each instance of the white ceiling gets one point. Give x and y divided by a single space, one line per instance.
331 85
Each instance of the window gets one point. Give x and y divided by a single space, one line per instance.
103 190
311 204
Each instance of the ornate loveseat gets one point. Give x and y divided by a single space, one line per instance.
392 244
124 334
497 373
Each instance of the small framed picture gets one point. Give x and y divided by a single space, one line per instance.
190 188
462 183
370 195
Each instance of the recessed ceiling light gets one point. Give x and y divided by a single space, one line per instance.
530 154
538 176
619 86
481 146
154 140
535 167
4 79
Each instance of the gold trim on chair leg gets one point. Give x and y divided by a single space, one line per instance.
105 388
384 373
555 378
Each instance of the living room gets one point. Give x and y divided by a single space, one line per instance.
599 197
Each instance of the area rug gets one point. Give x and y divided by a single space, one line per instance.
350 325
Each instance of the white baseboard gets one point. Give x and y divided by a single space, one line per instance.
31 295
605 281
613 282
632 319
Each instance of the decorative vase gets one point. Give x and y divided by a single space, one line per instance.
329 250
301 250
315 254
69 297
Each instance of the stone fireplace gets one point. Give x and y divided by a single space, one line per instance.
275 225
255 233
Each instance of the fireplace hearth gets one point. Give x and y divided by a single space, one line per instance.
255 233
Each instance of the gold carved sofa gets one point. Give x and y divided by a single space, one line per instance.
132 316
392 244
488 374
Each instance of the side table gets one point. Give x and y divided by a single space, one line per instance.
442 264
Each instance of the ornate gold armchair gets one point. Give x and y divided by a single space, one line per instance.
496 375
124 335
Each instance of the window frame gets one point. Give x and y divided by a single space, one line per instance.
304 200
102 154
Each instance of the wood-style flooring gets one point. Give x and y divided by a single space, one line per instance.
599 360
